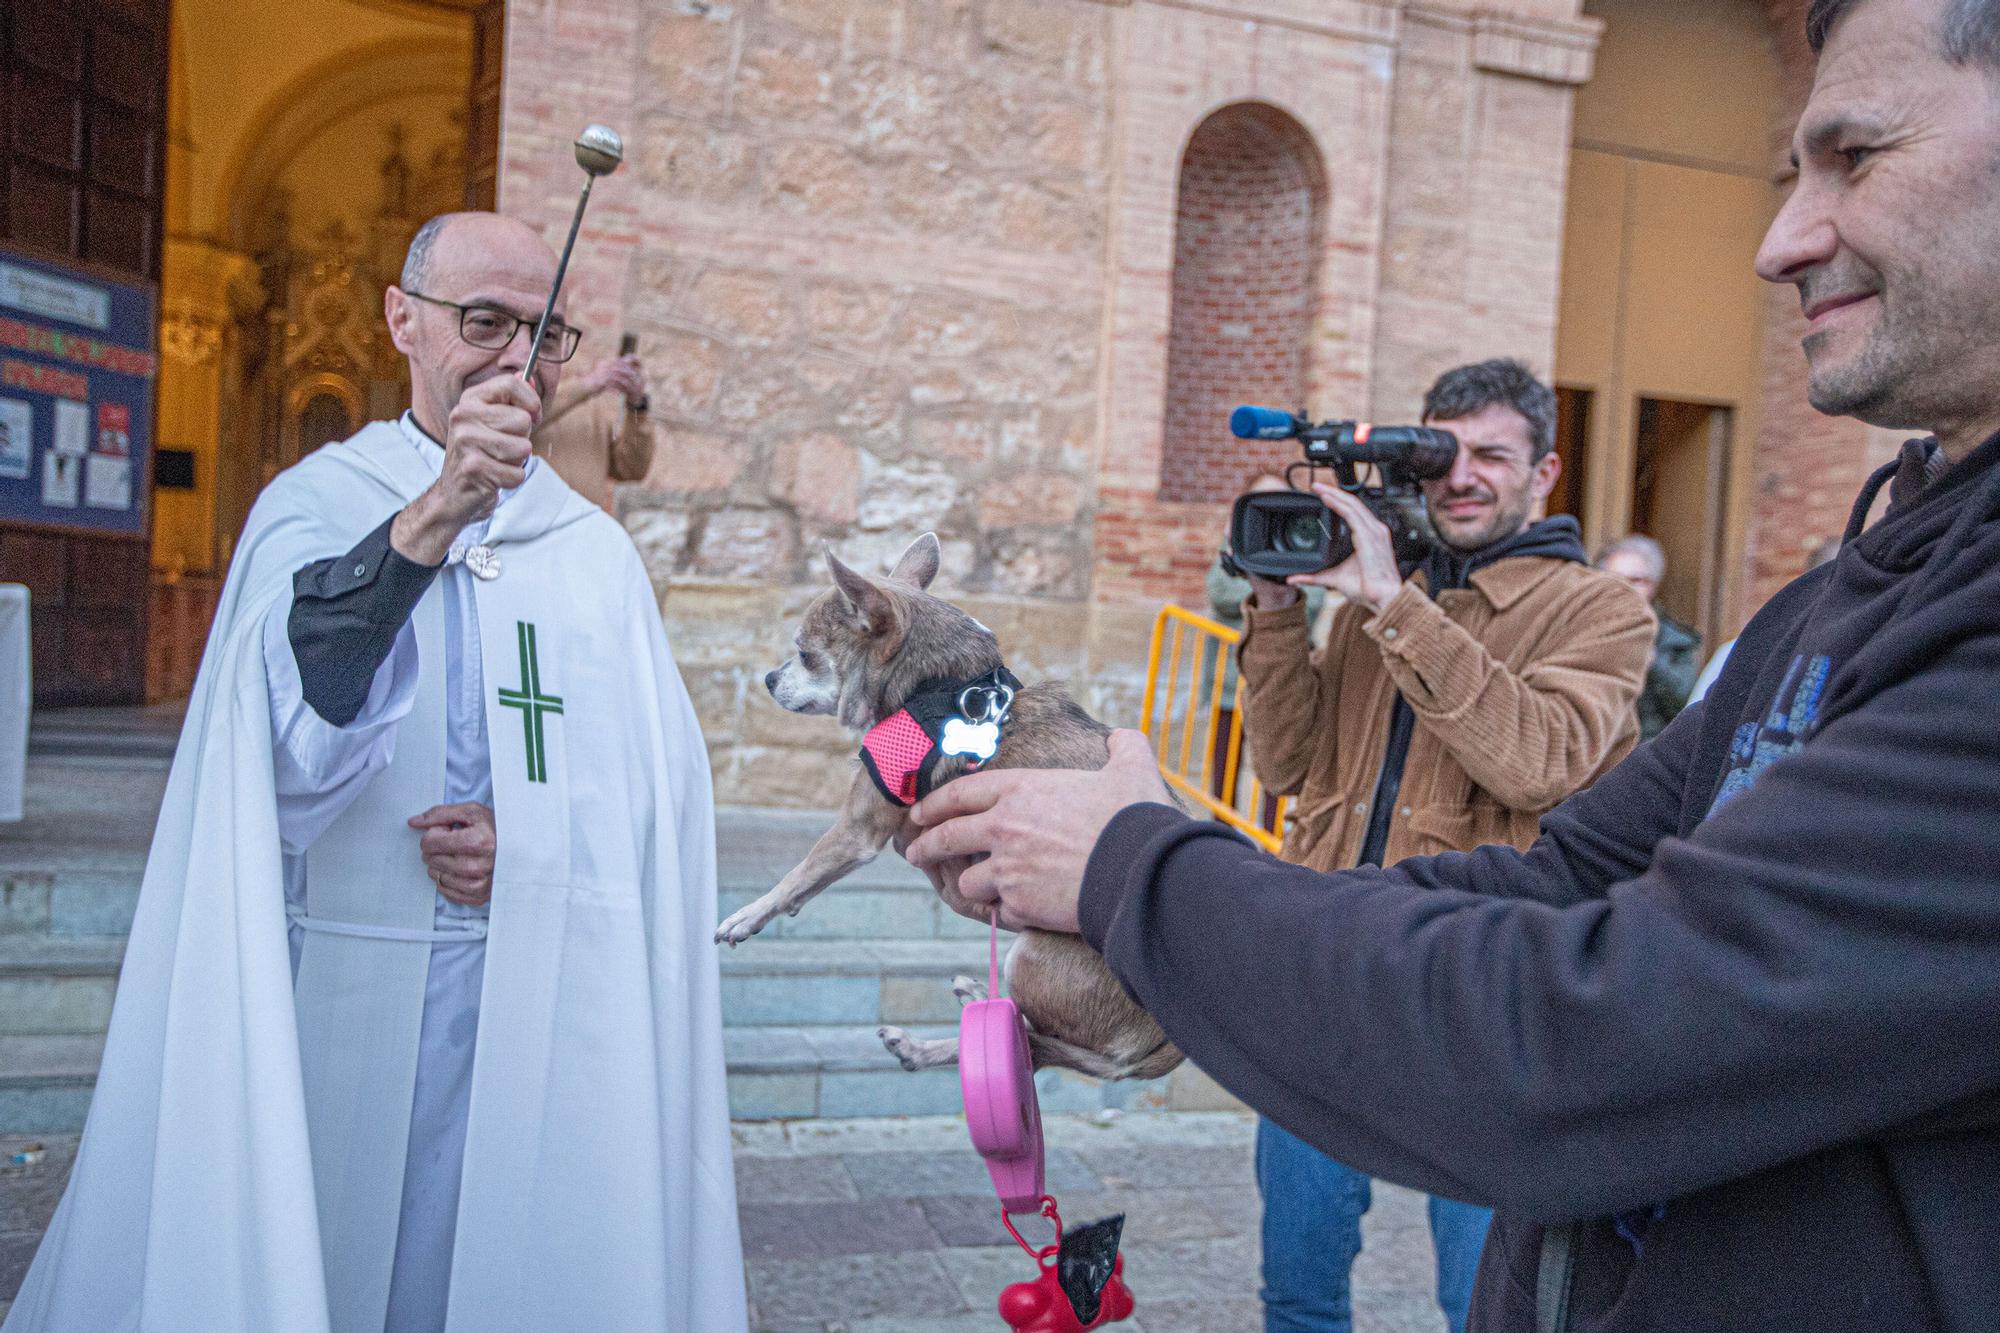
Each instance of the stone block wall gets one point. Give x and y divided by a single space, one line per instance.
862 246
900 265
1477 181
1329 68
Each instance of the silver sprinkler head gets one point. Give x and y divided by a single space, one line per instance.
599 150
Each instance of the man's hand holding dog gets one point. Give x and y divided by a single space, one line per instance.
1369 576
485 452
1035 828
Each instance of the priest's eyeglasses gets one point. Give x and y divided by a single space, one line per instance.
484 326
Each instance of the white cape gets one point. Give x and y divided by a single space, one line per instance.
598 1191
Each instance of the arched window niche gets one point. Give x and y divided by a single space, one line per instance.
1248 232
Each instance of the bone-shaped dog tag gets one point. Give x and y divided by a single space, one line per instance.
980 740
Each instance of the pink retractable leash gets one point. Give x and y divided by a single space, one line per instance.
998 1081
997 1078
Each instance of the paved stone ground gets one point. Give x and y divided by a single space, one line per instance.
889 1226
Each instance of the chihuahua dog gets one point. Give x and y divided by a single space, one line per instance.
863 650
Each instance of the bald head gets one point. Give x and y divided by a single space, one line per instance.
450 240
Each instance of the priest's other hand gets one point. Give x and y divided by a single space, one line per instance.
486 451
458 847
1036 828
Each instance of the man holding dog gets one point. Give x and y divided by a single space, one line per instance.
1718 1048
1449 709
419 1024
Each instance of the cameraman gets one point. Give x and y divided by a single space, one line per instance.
1449 709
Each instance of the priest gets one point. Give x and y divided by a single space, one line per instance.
419 1026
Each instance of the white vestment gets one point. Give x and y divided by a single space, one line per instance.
243 1166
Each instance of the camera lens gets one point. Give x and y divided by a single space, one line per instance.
1301 534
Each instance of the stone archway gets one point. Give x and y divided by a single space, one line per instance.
321 98
289 201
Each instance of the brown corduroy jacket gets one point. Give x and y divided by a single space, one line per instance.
1523 686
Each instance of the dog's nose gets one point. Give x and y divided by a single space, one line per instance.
771 681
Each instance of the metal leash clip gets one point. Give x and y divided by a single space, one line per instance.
994 702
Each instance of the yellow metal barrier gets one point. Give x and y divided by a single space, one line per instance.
1208 779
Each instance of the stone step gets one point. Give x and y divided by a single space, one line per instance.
833 1072
787 983
75 870
57 986
775 1073
115 733
887 899
46 1082
80 892
52 985
72 866
861 912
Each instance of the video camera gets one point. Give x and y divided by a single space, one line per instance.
1280 533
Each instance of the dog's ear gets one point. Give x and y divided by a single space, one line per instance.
871 604
919 564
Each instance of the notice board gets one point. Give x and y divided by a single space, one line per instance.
77 369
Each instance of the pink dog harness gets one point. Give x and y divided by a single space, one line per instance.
941 719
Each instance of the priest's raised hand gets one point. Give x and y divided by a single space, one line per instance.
486 448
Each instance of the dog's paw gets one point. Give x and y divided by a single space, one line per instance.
742 925
901 1045
968 990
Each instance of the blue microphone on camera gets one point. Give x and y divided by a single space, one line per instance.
1263 423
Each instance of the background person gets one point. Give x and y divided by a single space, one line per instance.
1449 709
1676 663
598 430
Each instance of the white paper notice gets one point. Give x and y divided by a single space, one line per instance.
61 477
107 482
17 438
72 427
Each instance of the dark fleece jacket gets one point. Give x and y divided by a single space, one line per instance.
1737 1010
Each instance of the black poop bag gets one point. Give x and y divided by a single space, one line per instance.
1084 1263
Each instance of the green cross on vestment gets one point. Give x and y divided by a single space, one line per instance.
532 703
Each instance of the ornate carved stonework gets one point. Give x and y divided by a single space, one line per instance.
325 331
189 337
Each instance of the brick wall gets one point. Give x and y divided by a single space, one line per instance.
1246 246
1328 67
1477 181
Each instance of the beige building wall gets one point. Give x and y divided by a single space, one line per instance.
1670 194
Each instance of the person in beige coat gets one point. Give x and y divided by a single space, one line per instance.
1449 708
597 432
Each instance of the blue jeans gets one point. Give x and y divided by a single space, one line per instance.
1312 1233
